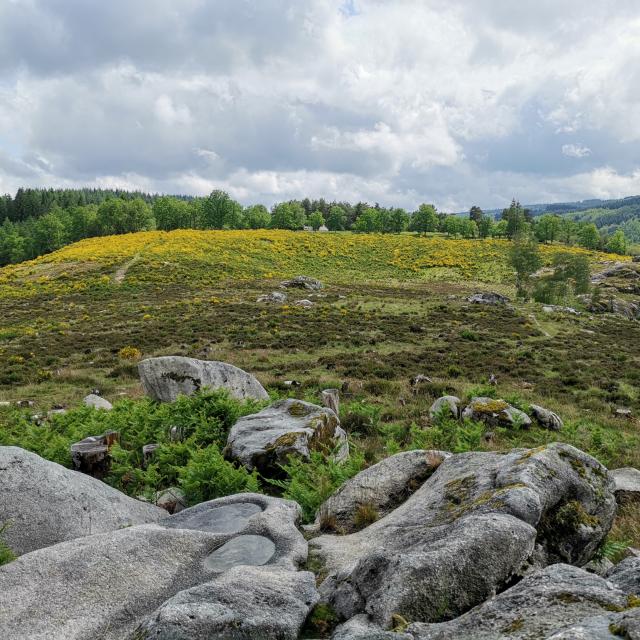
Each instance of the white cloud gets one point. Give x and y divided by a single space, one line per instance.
575 150
397 102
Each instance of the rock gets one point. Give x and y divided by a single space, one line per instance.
380 488
275 297
331 400
547 419
244 603
491 298
627 484
104 586
469 530
612 626
55 412
624 413
447 405
606 303
305 304
599 566
553 308
537 607
265 440
148 453
303 282
496 413
46 503
361 628
626 576
172 500
164 379
97 402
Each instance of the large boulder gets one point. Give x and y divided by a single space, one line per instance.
490 298
626 576
104 586
447 405
546 418
467 532
496 413
266 440
97 402
627 484
244 603
303 282
380 488
537 607
45 503
165 378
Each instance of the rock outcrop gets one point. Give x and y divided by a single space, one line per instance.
627 484
490 298
449 405
467 532
379 488
265 440
546 418
539 606
496 413
303 282
275 297
165 378
45 503
97 402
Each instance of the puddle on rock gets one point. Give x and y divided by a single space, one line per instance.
241 550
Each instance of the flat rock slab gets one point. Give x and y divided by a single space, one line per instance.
241 550
627 484
166 378
46 503
229 519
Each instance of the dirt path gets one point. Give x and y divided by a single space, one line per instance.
121 273
532 316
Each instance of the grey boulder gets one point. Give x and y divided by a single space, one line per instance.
490 298
546 418
542 604
267 439
166 378
45 503
626 576
97 402
627 484
381 487
447 405
275 297
496 413
360 627
245 603
466 532
303 282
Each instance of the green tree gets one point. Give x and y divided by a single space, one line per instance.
288 215
172 213
476 214
525 259
369 221
468 228
257 217
315 220
12 244
617 243
452 225
485 227
424 220
516 219
336 218
219 211
547 229
48 233
397 221
588 236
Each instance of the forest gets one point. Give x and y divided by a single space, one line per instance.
38 221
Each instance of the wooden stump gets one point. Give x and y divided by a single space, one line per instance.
331 399
91 455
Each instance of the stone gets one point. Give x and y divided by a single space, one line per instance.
474 526
331 400
275 297
165 378
303 282
490 298
627 484
244 603
46 503
361 628
537 607
381 487
547 419
626 576
496 413
265 440
553 308
305 304
172 500
52 413
97 402
447 405
148 453
241 551
624 413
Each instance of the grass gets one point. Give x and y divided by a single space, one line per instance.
393 307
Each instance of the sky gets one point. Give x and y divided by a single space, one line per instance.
451 102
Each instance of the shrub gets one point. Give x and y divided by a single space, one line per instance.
365 515
208 475
361 417
129 353
311 483
448 434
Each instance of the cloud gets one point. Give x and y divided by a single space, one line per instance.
443 101
575 151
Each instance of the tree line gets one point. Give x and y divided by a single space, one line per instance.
38 221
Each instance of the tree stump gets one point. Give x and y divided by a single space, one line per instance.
91 455
331 399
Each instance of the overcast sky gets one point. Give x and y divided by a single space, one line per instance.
456 102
